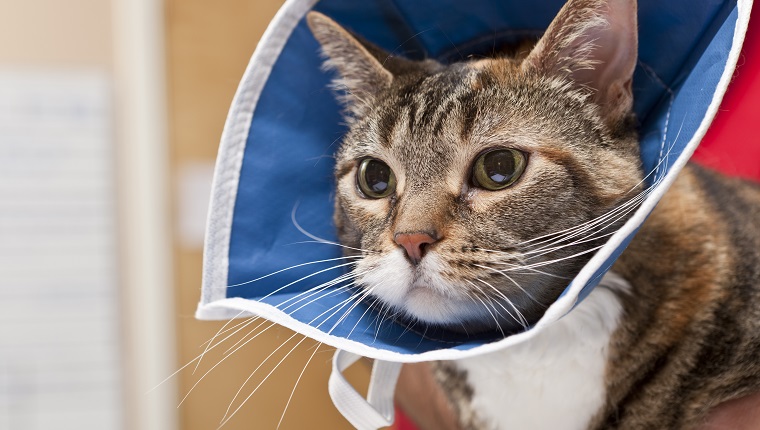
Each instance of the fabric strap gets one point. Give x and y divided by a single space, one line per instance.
377 410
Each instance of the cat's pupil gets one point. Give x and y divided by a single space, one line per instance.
499 166
378 175
375 178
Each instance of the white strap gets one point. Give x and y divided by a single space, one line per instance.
375 412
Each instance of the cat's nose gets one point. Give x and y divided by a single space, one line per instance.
415 244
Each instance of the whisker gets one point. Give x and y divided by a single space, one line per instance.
359 297
369 307
522 320
297 266
257 369
217 364
518 269
513 281
228 416
610 218
588 237
505 309
212 340
574 231
314 290
492 315
546 263
242 339
245 343
241 322
292 392
199 356
590 223
366 251
317 238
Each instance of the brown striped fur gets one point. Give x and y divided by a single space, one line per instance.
690 335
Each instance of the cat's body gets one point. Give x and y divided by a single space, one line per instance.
474 191
658 351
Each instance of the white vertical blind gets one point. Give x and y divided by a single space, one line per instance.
60 339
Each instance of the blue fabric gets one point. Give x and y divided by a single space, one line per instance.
297 126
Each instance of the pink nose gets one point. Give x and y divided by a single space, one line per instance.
414 244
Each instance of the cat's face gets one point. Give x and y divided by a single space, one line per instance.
453 182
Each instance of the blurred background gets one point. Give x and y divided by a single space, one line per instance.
110 118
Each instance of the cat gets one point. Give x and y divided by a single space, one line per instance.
449 174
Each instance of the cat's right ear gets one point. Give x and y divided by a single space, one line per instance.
361 73
595 44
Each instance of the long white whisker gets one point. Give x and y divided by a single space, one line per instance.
227 415
241 322
243 339
584 239
317 238
492 315
257 369
217 364
292 392
367 251
212 340
546 263
359 297
522 320
200 355
592 224
314 290
512 280
297 266
518 269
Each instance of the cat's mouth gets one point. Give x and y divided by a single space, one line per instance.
423 294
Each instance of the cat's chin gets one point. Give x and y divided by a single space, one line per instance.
421 295
431 307
427 306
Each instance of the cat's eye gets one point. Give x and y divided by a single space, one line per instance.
497 169
376 180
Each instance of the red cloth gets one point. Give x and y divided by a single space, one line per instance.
732 145
403 422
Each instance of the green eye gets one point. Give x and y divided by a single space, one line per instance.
498 169
376 180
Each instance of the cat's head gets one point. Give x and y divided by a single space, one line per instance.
475 191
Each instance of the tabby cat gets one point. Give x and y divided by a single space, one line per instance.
458 184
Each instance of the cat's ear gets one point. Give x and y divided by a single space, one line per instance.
595 43
361 73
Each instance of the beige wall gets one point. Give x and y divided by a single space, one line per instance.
208 47
52 32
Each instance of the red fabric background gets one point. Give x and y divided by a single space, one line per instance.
732 145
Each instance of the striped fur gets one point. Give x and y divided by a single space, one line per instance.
689 331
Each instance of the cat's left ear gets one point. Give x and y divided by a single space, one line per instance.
361 73
595 43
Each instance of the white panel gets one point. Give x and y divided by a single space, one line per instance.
59 317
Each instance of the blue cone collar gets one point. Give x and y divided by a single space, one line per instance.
275 162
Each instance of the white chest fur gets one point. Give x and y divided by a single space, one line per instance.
554 380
